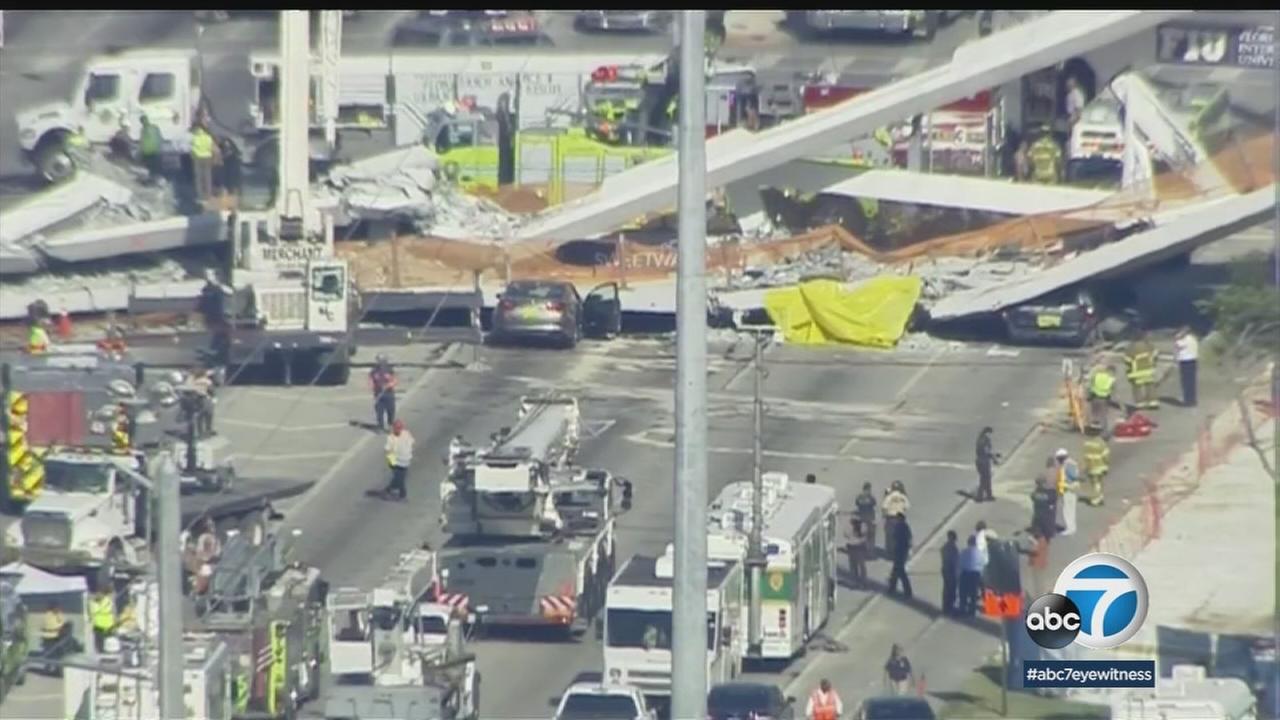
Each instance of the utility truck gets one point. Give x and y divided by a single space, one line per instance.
394 649
555 577
505 489
637 619
91 506
532 536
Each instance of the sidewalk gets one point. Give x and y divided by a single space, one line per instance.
945 651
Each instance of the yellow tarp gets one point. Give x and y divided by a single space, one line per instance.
875 313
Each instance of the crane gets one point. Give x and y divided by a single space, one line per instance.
284 260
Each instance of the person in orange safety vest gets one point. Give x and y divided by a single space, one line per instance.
824 703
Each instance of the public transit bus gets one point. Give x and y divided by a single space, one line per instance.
798 583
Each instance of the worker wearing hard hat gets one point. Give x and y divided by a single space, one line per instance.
37 337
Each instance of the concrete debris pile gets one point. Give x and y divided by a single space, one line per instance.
940 275
457 215
402 186
106 287
921 342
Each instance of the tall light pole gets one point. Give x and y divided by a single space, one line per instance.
168 510
755 551
689 615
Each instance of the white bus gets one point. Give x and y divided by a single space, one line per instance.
798 585
637 626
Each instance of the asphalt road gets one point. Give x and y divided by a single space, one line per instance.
45 52
846 416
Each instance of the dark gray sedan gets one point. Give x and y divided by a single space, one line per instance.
623 20
554 309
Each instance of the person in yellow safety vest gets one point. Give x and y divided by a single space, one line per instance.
610 114
1097 461
824 703
37 338
870 207
1101 384
1046 159
1140 359
52 628
202 150
102 615
149 148
120 441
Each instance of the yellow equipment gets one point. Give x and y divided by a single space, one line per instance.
25 471
564 160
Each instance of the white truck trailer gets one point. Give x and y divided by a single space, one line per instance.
637 620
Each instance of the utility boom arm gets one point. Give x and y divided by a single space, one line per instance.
546 434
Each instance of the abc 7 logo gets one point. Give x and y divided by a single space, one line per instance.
1099 601
1053 621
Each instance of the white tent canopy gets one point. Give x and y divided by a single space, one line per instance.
34 581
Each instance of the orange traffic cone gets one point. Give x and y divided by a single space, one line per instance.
64 324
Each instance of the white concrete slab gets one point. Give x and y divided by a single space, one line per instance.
958 191
1174 232
58 203
976 66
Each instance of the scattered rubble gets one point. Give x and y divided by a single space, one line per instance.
402 185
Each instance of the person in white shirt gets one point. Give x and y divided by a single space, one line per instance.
399 457
1075 101
1187 352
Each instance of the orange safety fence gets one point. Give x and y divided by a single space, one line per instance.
623 257
1172 482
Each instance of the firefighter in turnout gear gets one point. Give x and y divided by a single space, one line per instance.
1140 363
1097 460
609 116
1045 157
1101 384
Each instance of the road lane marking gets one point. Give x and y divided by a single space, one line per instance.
917 377
595 428
642 438
286 457
803 679
307 396
446 359
281 427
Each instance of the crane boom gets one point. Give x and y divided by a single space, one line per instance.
293 201
330 47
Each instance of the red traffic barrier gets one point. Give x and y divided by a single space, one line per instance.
1136 425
